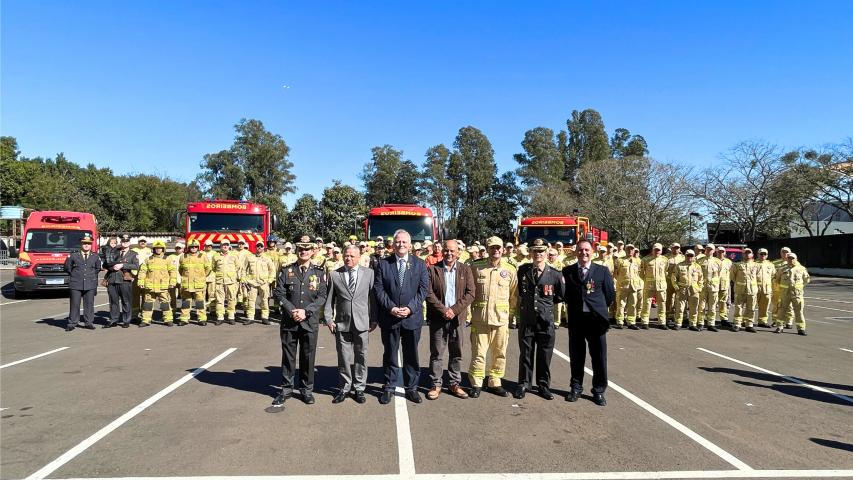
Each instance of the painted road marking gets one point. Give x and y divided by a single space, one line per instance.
14 301
535 476
85 444
790 379
66 312
672 422
851 351
33 357
405 449
828 308
827 300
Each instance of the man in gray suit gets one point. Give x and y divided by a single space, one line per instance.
351 293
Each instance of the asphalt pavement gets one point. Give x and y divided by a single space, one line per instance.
115 403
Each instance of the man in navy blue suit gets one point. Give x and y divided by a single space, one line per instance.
589 291
401 285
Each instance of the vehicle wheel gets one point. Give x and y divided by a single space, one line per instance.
20 295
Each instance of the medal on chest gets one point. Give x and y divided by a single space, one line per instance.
590 287
313 282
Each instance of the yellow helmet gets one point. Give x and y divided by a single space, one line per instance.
194 243
158 244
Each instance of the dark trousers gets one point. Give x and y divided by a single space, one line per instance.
392 340
445 335
120 307
88 297
536 340
579 337
307 343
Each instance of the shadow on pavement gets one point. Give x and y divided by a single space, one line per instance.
833 444
784 386
101 318
7 292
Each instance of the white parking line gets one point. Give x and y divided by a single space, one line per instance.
66 312
13 301
33 357
828 308
405 450
851 351
673 423
827 300
790 379
85 444
532 476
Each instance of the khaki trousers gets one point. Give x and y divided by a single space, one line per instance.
226 295
648 295
189 302
253 295
151 298
627 309
485 338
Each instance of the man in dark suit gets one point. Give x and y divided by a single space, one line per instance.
589 292
540 287
451 291
401 284
84 267
350 310
301 291
120 262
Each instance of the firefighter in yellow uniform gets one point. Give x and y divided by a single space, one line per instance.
724 294
211 255
175 291
687 278
156 276
629 286
699 249
229 273
260 273
794 278
779 263
673 258
193 267
711 267
654 275
495 298
765 275
243 254
746 287
142 253
274 253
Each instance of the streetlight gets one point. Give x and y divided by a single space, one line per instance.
690 235
355 224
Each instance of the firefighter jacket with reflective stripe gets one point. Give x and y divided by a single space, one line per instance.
628 273
795 277
711 267
495 295
764 276
157 274
745 278
260 270
227 269
194 269
689 276
654 272
211 256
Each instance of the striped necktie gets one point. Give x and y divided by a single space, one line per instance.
401 270
352 281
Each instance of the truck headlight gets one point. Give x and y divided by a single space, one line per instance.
24 264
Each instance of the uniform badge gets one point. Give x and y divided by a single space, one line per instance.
313 282
549 290
504 274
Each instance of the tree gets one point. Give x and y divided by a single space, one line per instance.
341 209
503 206
587 140
435 185
255 167
745 189
541 160
829 171
388 178
476 158
622 144
304 218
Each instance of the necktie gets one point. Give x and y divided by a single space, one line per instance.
585 270
302 269
537 275
401 270
85 257
352 281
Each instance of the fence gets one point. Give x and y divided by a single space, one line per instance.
828 251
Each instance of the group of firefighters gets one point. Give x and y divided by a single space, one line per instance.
695 284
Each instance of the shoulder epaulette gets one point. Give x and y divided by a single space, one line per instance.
509 265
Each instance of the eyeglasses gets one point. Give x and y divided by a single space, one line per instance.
301 249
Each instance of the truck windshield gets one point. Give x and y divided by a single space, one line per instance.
567 235
225 222
420 228
54 241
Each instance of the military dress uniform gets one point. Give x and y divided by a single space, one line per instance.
538 292
654 273
229 273
792 280
764 276
194 269
260 272
560 315
687 279
746 289
83 284
156 276
494 303
629 285
711 267
299 288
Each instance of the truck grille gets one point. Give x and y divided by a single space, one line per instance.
50 270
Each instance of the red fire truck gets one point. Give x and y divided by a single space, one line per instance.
387 219
567 229
232 219
47 239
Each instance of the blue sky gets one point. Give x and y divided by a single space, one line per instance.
153 86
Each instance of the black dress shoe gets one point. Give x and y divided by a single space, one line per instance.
573 396
247 322
801 332
89 326
662 326
676 326
181 323
111 325
265 321
279 400
308 398
232 322
340 397
618 327
202 324
69 328
750 330
712 329
735 329
143 324
218 322
693 328
520 392
170 324
125 325
359 397
645 326
386 397
633 327
788 327
499 391
599 400
475 392
545 393
414 397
